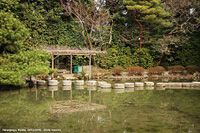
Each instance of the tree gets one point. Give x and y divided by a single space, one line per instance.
94 20
150 11
13 33
14 68
45 22
184 15
163 45
187 54
16 60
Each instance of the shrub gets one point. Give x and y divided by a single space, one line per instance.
135 70
156 70
146 60
42 77
117 55
178 69
191 69
116 71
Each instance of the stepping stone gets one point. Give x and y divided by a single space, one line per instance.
119 86
91 83
139 84
79 82
101 82
149 83
129 85
52 82
66 82
41 82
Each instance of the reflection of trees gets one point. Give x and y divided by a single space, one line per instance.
138 111
21 110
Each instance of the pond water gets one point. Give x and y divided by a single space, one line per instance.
129 110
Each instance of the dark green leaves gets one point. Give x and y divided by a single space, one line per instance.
12 34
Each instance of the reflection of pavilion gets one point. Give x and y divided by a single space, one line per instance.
53 89
68 88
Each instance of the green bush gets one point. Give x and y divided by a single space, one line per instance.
118 55
14 67
135 70
146 60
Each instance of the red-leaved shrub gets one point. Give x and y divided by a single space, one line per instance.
135 70
191 69
116 71
178 69
156 70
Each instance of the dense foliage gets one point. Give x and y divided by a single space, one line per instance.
134 33
12 34
16 67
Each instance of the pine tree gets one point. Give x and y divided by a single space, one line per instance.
150 11
12 34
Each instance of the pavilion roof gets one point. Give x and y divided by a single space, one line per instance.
64 50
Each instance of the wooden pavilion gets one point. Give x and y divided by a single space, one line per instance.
63 50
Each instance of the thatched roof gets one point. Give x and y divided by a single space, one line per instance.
63 50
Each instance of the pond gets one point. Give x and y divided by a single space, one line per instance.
126 111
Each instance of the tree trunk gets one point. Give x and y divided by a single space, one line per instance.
141 34
88 38
160 60
141 27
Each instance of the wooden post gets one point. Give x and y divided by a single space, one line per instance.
71 64
52 65
90 71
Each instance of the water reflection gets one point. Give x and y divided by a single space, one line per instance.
149 88
79 87
42 87
129 89
70 89
52 89
170 110
92 88
119 90
66 87
139 88
90 98
160 88
105 89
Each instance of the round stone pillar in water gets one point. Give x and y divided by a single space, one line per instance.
129 85
149 83
66 82
79 82
139 84
41 82
91 83
119 86
52 82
